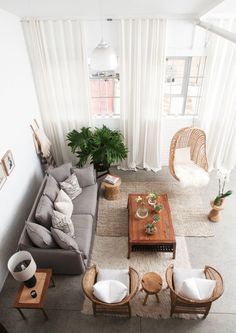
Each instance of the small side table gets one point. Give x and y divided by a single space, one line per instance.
23 297
112 192
151 284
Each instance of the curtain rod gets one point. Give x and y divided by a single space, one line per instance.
218 31
108 18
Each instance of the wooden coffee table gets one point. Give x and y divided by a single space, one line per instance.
23 297
164 238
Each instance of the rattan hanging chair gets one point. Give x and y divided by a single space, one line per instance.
192 137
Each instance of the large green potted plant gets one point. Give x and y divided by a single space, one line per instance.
102 146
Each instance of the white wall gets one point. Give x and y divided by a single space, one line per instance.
18 106
184 38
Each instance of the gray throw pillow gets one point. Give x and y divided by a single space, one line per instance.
61 173
71 186
44 211
40 236
64 241
86 176
51 188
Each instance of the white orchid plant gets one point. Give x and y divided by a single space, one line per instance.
223 177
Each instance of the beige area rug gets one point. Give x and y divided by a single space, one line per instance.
111 252
189 212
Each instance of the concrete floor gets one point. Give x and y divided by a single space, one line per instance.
64 302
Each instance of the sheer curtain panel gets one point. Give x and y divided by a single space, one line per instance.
217 111
142 70
57 51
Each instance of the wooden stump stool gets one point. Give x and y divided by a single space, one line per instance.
112 192
151 284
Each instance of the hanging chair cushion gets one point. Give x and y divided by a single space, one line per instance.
190 174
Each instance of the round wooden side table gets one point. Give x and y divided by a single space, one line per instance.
151 284
112 192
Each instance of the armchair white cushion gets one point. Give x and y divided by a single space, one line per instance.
197 289
121 275
110 291
181 274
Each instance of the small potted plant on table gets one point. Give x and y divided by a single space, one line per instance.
150 228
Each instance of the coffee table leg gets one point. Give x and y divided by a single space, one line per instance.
174 250
158 301
45 315
52 283
21 313
129 250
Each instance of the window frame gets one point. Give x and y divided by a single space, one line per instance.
185 85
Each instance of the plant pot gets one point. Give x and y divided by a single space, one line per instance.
214 215
152 202
142 212
150 231
100 167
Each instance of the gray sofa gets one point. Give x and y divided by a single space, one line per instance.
84 219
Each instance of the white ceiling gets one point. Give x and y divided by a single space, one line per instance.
110 8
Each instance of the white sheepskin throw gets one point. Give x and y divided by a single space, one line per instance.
190 174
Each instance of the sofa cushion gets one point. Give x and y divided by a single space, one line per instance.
110 291
181 274
63 222
63 240
60 173
121 275
44 211
63 203
86 202
71 186
51 188
197 289
83 225
86 176
40 236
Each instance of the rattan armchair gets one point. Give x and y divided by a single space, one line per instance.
181 304
123 307
192 137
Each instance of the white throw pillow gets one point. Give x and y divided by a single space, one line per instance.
71 186
63 222
121 275
110 291
181 274
182 155
197 289
63 203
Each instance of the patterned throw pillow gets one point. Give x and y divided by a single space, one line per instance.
63 223
71 186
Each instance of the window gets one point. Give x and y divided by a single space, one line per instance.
105 94
183 85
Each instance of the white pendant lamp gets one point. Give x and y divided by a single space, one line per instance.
103 58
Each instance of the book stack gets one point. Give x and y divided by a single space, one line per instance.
111 179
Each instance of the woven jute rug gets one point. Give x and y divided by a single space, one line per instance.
189 211
111 252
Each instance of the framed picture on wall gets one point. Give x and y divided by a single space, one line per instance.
8 162
3 176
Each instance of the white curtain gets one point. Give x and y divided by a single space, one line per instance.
142 70
57 51
218 106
